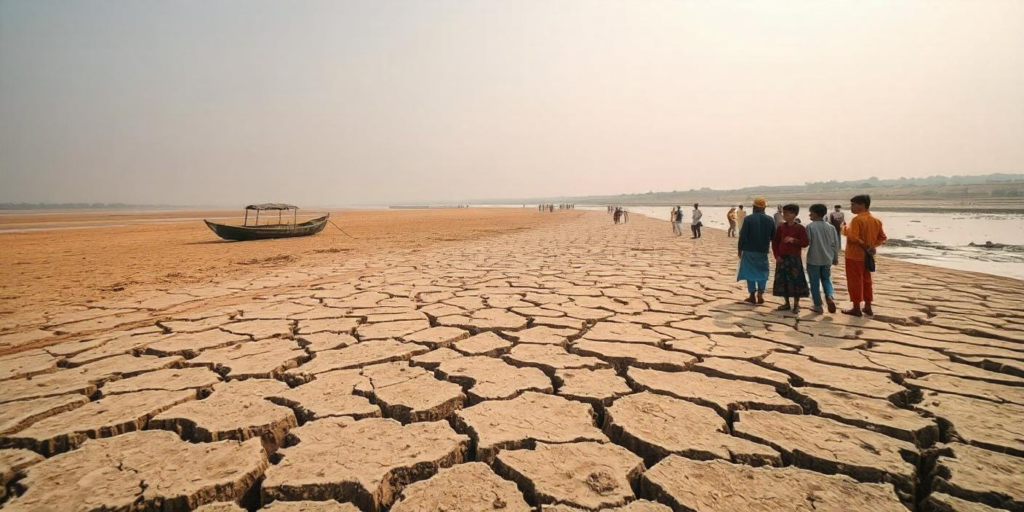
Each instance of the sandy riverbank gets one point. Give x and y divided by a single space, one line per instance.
93 255
571 353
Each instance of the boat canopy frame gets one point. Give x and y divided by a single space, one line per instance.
280 207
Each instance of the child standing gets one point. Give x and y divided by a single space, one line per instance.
822 253
862 237
790 239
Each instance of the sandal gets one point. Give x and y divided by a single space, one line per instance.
852 312
784 307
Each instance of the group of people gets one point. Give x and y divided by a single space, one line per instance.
786 237
551 207
676 217
619 214
735 217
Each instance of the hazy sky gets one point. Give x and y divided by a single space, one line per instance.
343 102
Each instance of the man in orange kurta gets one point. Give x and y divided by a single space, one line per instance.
863 235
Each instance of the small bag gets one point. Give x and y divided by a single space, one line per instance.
869 261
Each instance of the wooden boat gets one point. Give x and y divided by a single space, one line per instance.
279 230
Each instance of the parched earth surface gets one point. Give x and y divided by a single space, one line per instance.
575 366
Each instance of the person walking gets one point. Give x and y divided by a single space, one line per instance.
756 234
862 237
672 220
838 221
695 223
740 215
822 254
678 221
778 217
787 245
731 217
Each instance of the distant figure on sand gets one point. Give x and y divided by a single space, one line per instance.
672 220
695 223
787 244
625 215
838 220
821 255
731 217
617 216
677 223
740 215
862 237
778 217
756 234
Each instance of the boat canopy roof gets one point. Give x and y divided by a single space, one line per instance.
271 206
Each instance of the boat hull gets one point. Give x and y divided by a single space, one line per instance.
244 233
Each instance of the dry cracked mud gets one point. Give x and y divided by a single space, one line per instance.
533 369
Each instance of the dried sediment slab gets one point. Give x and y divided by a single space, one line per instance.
367 462
120 346
588 475
108 474
27 364
83 379
543 335
483 344
997 427
236 410
718 485
386 330
437 337
870 413
356 356
13 464
595 387
550 358
719 345
192 344
490 319
970 388
637 355
738 369
531 417
329 395
621 332
471 486
1013 367
940 502
902 365
345 325
636 506
826 445
487 378
860 382
106 417
409 393
15 416
656 426
723 395
310 506
220 506
321 341
170 379
261 329
197 325
255 359
433 359
980 475
707 325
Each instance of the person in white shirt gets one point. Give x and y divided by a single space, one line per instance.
695 223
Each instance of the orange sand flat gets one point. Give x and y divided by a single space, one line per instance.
79 263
